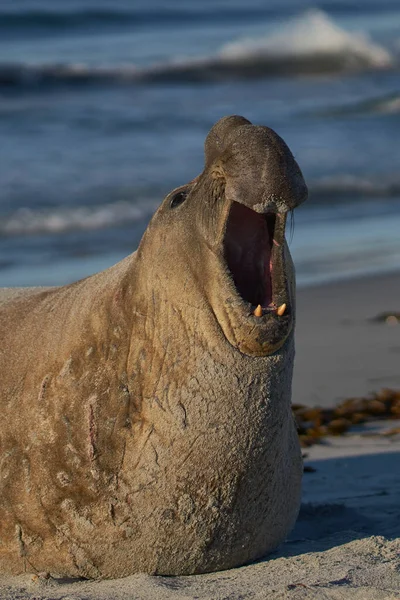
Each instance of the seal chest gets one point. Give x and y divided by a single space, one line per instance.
151 428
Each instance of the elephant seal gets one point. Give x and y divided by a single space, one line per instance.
146 421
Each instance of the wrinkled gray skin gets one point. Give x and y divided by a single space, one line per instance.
146 421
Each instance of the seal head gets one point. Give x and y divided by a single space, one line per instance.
239 206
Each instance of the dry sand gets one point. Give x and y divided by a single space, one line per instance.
346 543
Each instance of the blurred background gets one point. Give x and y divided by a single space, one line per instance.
105 104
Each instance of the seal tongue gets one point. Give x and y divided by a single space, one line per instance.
247 245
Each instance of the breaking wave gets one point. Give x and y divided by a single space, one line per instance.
316 43
310 45
61 220
389 104
26 221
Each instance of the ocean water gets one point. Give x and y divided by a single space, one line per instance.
105 104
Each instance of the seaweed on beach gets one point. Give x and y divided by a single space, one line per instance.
390 318
315 423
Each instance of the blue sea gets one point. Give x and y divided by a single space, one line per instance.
105 105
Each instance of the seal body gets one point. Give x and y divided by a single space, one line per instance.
146 421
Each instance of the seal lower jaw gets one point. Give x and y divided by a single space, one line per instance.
258 317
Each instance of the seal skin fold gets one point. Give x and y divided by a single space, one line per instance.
146 421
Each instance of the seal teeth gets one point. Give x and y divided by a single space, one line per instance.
281 310
258 311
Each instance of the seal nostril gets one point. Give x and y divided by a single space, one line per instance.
178 199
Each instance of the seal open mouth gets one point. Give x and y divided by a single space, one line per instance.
253 245
252 181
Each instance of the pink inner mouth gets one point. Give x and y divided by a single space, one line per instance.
248 249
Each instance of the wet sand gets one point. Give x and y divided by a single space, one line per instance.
340 352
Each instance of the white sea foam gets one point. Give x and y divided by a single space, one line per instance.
310 44
86 218
311 35
28 221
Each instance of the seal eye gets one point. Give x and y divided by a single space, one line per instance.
178 199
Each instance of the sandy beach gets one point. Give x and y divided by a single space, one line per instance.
105 106
341 351
346 543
